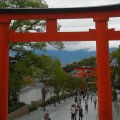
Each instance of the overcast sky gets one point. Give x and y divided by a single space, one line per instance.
83 25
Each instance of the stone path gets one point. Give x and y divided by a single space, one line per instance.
62 112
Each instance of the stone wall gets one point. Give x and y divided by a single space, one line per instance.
21 111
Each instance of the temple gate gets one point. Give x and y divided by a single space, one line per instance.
83 73
101 35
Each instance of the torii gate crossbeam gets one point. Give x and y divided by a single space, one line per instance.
101 35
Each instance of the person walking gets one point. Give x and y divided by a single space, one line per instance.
79 103
83 96
95 102
75 99
80 113
91 96
73 112
86 105
46 117
76 110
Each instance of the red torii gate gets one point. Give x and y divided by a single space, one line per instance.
83 69
101 35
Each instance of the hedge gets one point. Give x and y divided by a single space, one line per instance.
15 107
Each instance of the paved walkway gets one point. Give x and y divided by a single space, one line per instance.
62 112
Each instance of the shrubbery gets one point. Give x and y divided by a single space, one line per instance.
15 107
33 107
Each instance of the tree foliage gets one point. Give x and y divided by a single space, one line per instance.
24 65
28 25
115 62
57 76
86 62
23 3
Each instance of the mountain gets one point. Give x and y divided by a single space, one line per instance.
67 57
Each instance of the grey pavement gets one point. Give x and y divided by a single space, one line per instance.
39 113
62 112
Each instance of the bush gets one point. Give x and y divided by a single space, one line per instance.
53 99
15 107
42 104
32 108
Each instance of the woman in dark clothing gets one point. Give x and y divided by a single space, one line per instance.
80 113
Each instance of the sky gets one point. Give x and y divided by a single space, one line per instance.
83 24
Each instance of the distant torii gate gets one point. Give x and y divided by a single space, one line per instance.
101 35
83 70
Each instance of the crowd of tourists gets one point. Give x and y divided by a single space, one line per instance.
76 108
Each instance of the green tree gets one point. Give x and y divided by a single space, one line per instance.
22 64
20 73
57 77
73 85
27 25
45 64
91 62
115 69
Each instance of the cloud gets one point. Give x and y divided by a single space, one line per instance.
72 46
79 3
88 45
83 24
71 25
113 44
76 24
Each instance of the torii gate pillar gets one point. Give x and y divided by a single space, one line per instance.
103 70
4 61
